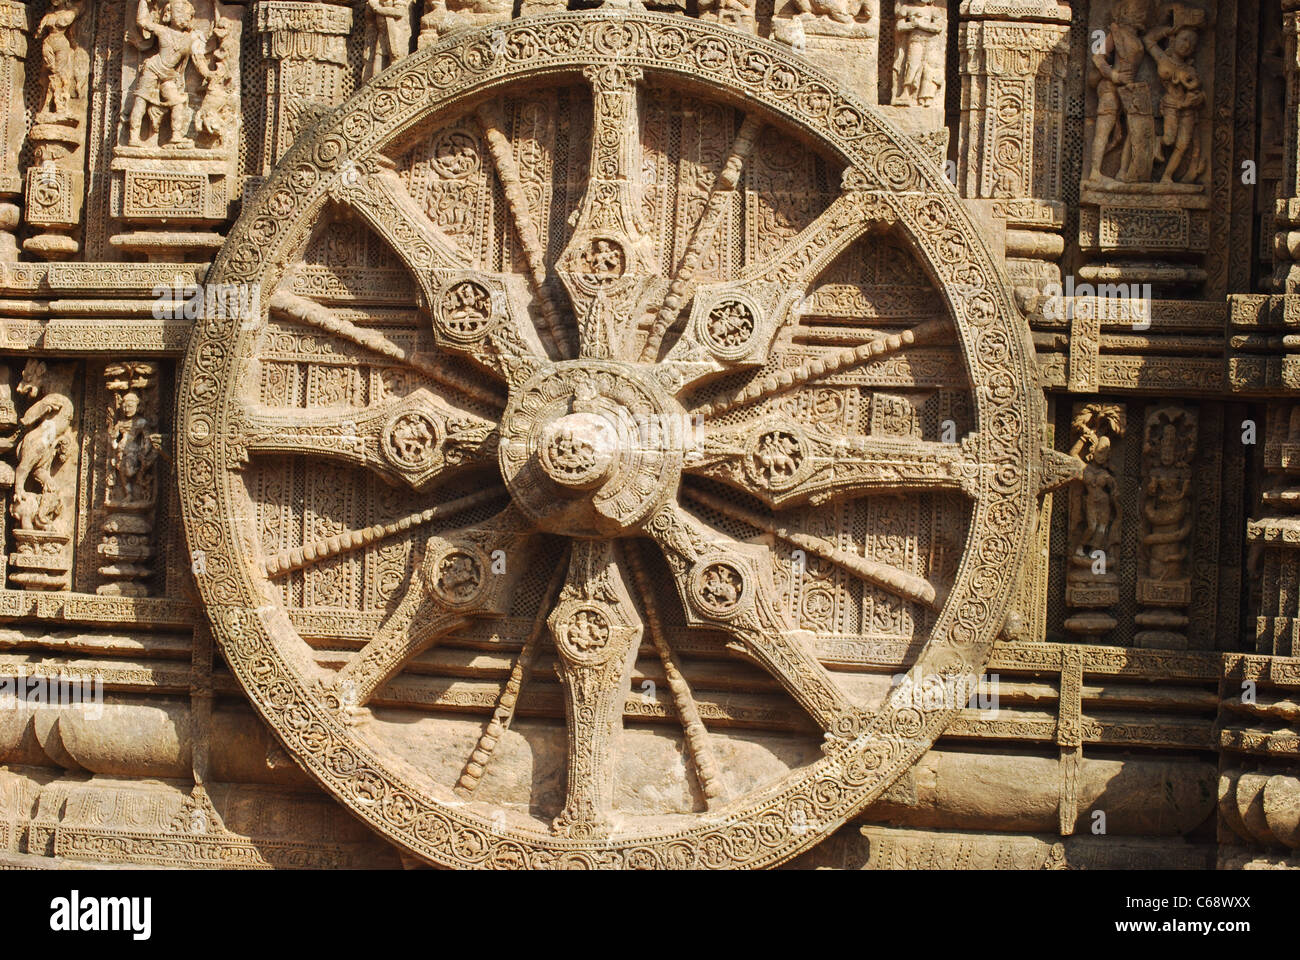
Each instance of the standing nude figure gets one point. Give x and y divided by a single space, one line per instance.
1184 95
58 56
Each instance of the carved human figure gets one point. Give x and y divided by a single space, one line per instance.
839 11
1101 506
218 114
159 88
443 16
59 60
131 453
1095 510
778 456
46 442
1167 507
1124 114
919 53
388 35
1184 97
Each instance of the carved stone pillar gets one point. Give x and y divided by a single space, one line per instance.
1286 246
305 50
1262 361
1013 77
13 51
56 180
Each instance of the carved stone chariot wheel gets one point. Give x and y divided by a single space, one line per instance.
589 460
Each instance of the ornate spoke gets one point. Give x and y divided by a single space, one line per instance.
298 309
783 465
462 574
597 633
415 440
295 558
493 124
784 381
734 323
727 585
703 760
706 228
482 316
377 194
607 267
899 582
504 713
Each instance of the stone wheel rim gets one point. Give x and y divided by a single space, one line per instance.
776 822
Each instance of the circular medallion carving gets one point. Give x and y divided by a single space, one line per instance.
411 440
463 311
719 588
729 327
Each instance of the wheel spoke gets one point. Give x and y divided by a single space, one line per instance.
377 194
415 440
706 228
734 323
508 700
493 124
454 580
316 551
727 585
607 266
482 317
909 586
703 761
783 465
291 307
597 632
780 382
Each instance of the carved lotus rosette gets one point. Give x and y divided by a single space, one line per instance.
724 584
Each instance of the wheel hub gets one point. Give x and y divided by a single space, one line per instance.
590 447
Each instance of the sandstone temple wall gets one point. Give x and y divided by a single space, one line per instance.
968 337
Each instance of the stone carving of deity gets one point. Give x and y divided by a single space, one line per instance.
1096 510
159 89
919 58
1167 502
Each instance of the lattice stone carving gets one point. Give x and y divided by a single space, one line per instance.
598 398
